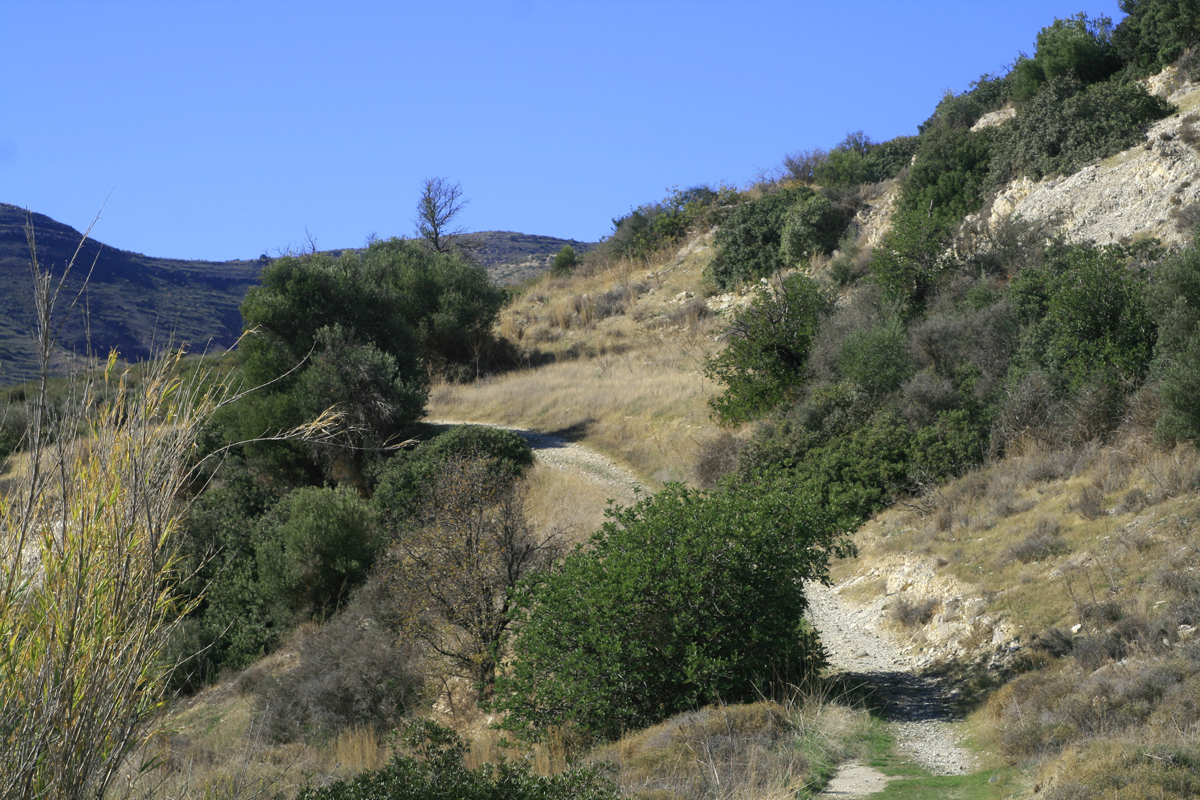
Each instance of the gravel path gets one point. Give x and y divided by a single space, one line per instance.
920 709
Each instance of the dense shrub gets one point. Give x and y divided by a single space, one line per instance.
812 225
1087 318
405 476
652 226
1176 302
317 545
684 599
1156 33
877 359
988 93
565 261
949 174
361 333
910 261
856 160
436 772
1076 46
750 242
1067 124
767 351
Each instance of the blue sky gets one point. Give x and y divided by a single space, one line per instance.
222 130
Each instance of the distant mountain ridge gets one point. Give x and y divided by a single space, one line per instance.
136 304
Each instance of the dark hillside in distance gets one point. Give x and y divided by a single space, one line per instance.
136 304
133 303
512 257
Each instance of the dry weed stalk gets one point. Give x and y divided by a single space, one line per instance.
88 567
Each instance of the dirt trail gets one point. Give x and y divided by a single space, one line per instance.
919 709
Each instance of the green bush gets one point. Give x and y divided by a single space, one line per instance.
404 476
812 225
1176 303
910 261
318 544
565 261
767 351
749 245
1067 124
949 174
1086 319
684 599
1156 33
876 360
652 226
359 332
436 772
858 160
1076 46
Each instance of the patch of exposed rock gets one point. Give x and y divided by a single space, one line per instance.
1129 195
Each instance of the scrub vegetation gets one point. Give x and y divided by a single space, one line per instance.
266 575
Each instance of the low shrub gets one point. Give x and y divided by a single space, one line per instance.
1042 542
913 613
435 771
349 672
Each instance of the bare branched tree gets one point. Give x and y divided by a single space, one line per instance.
440 203
455 570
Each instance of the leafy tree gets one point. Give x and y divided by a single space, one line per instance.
1077 46
358 332
454 568
565 261
686 598
812 226
1156 32
317 545
768 347
876 359
949 174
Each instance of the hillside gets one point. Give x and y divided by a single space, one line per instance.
136 304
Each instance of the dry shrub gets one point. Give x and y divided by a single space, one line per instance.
717 458
1091 502
1042 542
349 673
913 613
690 314
1133 501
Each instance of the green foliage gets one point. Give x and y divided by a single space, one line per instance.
406 475
1076 46
750 243
1087 318
1156 33
359 333
812 225
767 351
1069 124
909 262
684 599
652 226
1176 303
436 772
988 93
565 261
949 174
232 625
317 545
854 161
876 360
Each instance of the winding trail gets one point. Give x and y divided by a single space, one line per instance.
919 709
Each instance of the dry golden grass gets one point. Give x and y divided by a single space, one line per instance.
758 750
1046 531
630 385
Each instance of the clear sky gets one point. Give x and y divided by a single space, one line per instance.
221 130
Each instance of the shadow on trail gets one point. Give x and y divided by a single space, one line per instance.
900 696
